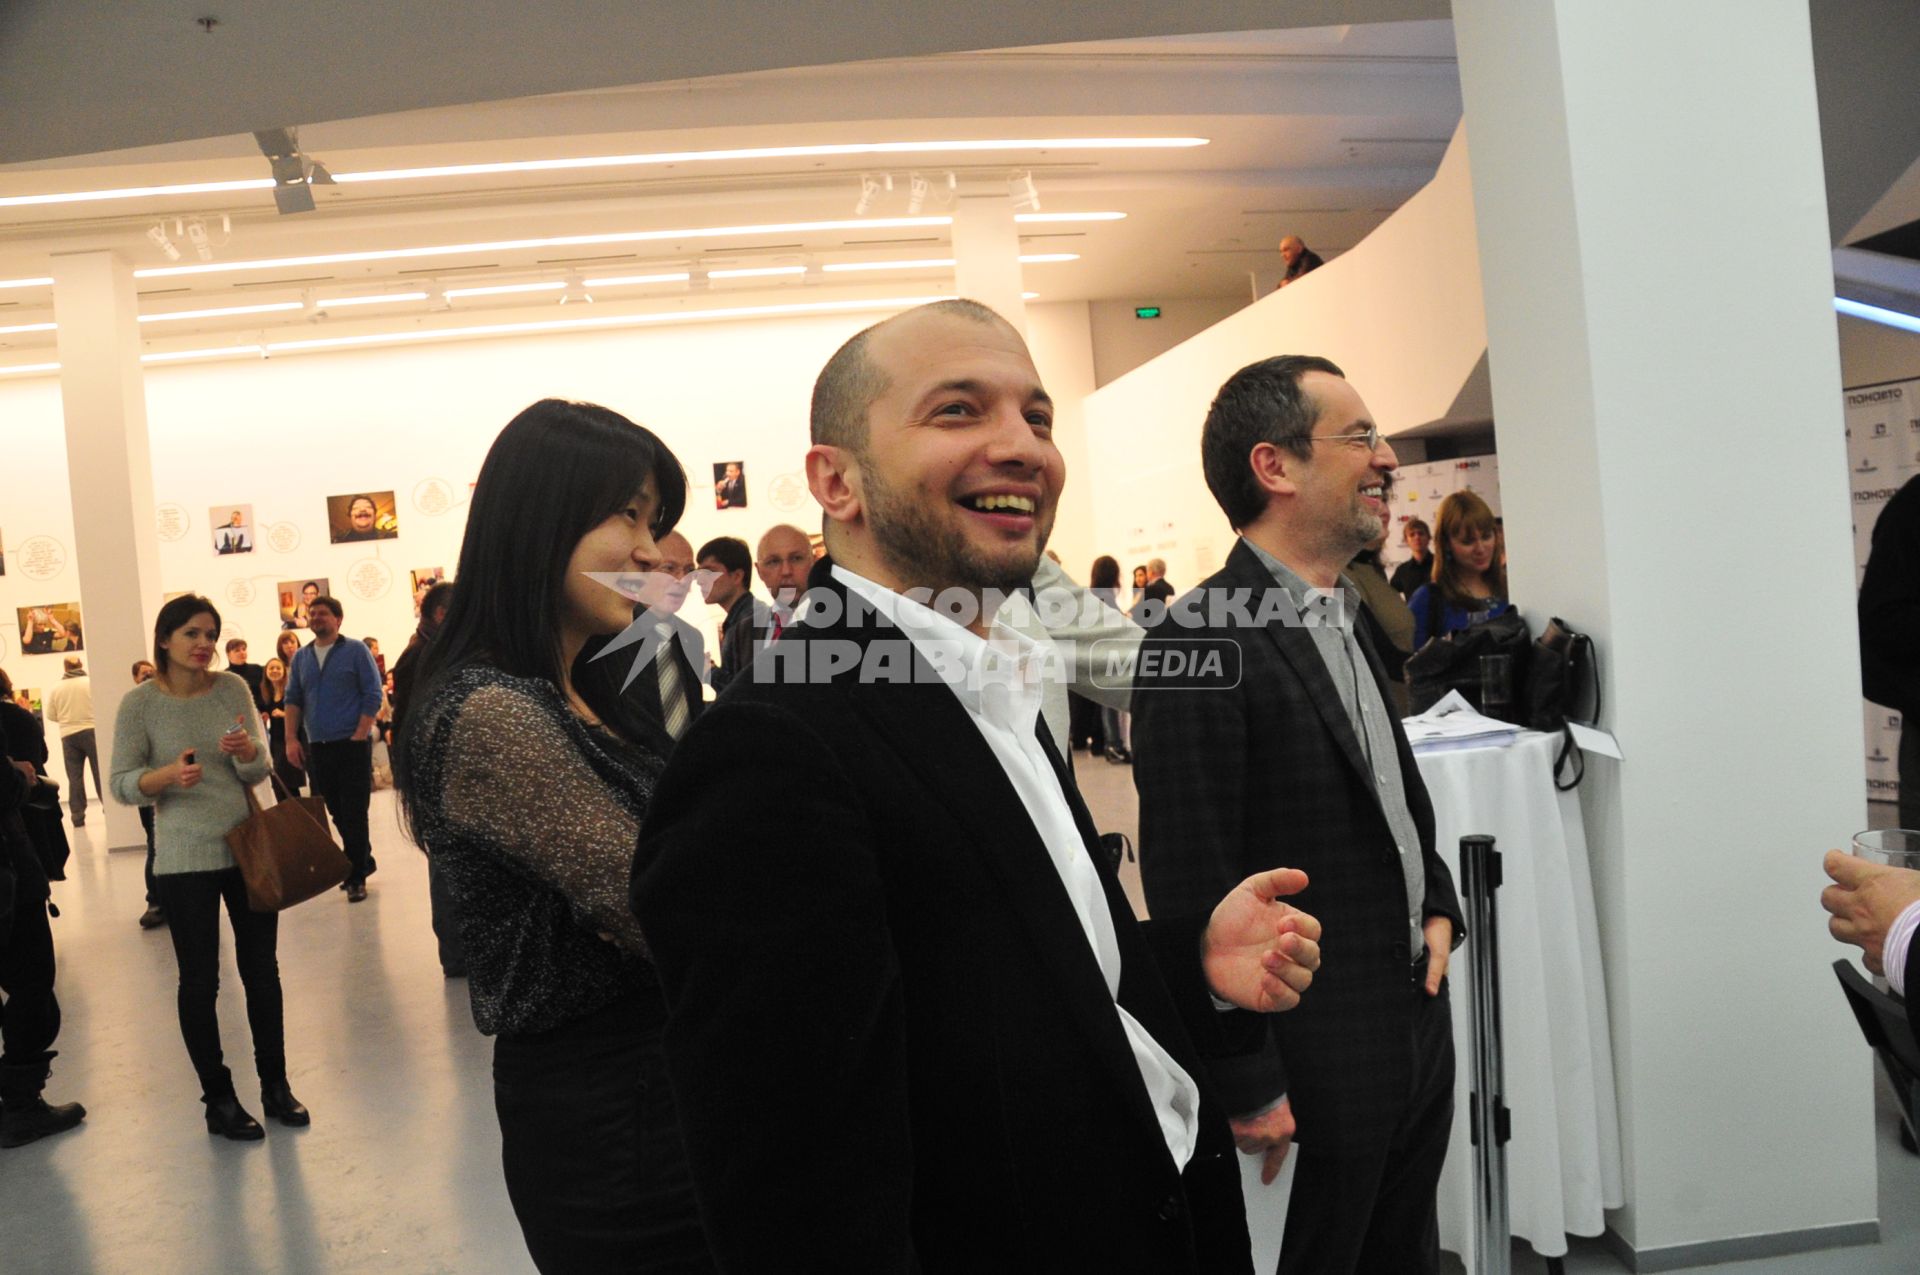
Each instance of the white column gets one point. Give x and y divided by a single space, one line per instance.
986 253
1653 238
115 547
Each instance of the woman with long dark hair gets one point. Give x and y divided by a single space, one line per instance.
526 782
287 777
1469 580
190 742
1104 583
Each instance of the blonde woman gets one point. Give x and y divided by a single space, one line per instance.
273 710
1469 581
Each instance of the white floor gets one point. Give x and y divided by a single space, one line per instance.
400 1170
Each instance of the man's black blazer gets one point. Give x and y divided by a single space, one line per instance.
740 634
890 1042
642 695
1269 773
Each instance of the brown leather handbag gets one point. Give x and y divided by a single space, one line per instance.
285 852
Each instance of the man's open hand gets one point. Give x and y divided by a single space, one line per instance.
1257 952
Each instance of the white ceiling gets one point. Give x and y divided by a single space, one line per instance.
1317 132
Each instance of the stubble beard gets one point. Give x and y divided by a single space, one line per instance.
929 553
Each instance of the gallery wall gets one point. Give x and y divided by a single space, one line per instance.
282 435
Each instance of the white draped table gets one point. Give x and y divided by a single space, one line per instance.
1563 1163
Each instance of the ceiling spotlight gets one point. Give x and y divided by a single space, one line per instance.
576 294
1026 196
917 188
869 191
161 240
197 236
293 172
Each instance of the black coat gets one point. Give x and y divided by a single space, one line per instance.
1890 606
26 740
1267 772
740 636
891 1043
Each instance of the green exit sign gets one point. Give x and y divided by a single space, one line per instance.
1146 312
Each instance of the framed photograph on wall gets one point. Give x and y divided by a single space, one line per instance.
295 596
51 629
362 515
730 484
3 553
232 528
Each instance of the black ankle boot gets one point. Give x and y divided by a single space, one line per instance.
226 1118
24 1115
278 1103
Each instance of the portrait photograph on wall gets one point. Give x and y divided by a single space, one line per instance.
232 528
28 697
295 596
49 630
425 578
362 515
3 553
730 485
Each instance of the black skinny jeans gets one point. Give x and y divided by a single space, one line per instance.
590 1139
29 1011
192 901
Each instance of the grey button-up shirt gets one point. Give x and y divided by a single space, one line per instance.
1333 638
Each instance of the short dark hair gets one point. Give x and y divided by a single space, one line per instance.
731 553
850 382
1261 403
331 603
233 642
173 617
440 595
6 690
1419 525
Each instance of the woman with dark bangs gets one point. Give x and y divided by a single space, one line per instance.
526 780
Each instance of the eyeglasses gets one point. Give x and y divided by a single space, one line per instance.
1370 436
791 560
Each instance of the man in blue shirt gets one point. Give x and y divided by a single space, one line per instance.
333 696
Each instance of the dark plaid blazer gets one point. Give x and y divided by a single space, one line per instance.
891 1045
1260 768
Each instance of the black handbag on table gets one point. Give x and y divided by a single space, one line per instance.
1452 662
1563 666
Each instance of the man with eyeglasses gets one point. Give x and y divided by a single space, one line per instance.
785 557
1292 757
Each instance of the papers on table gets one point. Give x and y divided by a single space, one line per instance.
1453 723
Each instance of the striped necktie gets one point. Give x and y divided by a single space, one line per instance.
674 709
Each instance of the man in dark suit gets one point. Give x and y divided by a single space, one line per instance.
914 1025
728 584
668 691
1285 752
1159 588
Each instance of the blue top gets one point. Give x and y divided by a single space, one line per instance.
333 699
1453 618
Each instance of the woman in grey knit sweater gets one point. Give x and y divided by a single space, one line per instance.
189 742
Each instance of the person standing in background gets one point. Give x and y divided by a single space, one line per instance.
1300 260
1104 582
26 741
1389 622
70 707
1890 633
1469 584
729 586
334 694
1159 588
155 916
786 556
190 742
1418 569
237 664
442 911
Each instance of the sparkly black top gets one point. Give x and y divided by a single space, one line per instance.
531 818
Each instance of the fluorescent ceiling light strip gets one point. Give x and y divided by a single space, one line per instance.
46 282
371 298
1877 314
828 150
502 289
755 272
1028 219
221 312
20 369
135 192
937 263
607 321
224 351
560 241
621 280
28 327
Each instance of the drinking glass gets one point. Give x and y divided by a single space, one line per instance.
1896 847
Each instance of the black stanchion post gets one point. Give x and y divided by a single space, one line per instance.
1488 1118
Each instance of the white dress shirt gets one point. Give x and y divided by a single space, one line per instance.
1899 940
1000 683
